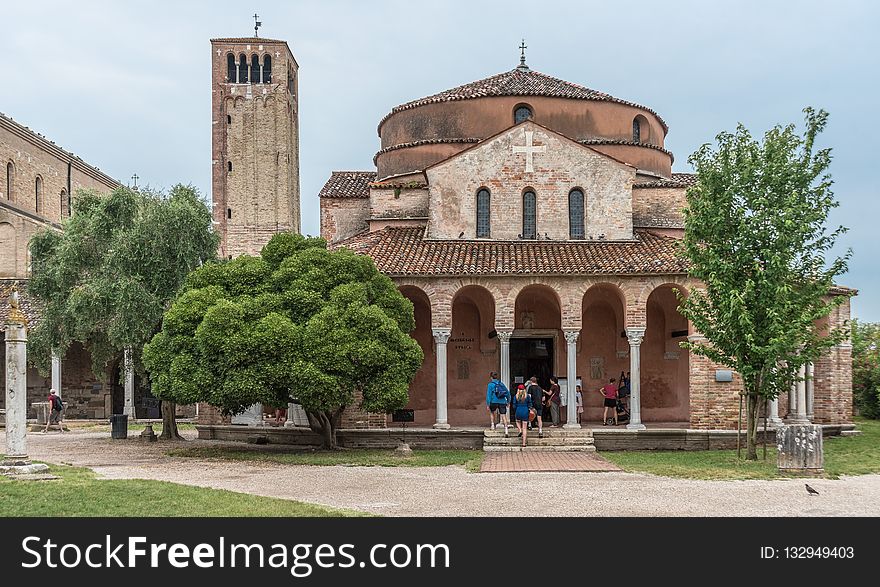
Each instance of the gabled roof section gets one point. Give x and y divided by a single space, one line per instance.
399 251
348 185
519 82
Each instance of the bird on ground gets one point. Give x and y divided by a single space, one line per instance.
810 490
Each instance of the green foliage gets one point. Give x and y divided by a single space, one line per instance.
298 322
107 279
755 235
866 368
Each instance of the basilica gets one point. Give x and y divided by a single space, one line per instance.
534 224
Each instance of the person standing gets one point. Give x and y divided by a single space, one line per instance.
553 401
609 392
537 395
56 406
579 402
497 396
522 404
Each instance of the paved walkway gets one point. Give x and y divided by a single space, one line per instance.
452 491
545 461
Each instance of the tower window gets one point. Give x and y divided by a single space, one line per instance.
229 213
576 214
65 208
530 215
38 194
229 166
483 224
231 74
521 113
10 180
242 69
255 69
267 69
228 119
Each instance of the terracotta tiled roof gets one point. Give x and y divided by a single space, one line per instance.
678 180
401 251
31 310
519 82
624 142
657 222
453 141
348 184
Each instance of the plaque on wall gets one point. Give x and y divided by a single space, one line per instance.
464 370
596 368
671 355
622 354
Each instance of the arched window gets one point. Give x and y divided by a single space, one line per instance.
38 194
228 119
576 214
65 205
230 68
10 180
255 69
521 113
483 224
242 69
641 130
229 166
637 131
267 69
530 215
229 213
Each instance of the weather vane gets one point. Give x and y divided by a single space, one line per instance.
257 24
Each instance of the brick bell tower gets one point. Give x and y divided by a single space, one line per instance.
254 142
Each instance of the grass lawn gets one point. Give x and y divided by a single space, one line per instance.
79 493
470 459
855 455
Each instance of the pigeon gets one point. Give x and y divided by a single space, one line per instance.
810 490
461 234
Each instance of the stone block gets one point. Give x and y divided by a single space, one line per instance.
800 450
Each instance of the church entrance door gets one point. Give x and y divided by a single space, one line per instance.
531 357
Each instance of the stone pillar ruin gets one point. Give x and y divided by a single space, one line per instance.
441 337
128 362
635 336
571 337
800 450
56 373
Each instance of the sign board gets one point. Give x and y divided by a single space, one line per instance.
403 416
723 375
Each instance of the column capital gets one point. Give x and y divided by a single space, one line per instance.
504 335
441 335
571 336
635 335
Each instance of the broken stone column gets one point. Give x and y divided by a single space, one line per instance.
799 450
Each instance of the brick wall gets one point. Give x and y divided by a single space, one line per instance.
398 203
343 217
658 207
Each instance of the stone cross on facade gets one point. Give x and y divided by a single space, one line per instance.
529 149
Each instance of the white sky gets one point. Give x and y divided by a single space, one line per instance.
126 85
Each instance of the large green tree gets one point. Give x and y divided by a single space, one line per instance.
755 234
866 368
302 323
107 278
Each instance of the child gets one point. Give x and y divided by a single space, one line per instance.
579 402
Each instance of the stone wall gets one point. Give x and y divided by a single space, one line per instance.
398 203
342 218
659 207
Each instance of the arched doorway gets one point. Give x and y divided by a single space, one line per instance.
665 384
423 389
603 349
537 348
472 352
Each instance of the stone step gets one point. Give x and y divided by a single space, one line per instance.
850 432
531 448
514 439
548 433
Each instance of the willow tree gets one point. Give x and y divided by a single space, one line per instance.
299 323
756 236
107 278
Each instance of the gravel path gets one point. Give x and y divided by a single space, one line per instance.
451 491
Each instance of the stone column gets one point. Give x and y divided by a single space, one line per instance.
635 336
571 337
16 394
441 337
809 394
129 385
56 373
504 339
801 415
773 418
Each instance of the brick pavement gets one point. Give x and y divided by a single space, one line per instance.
544 461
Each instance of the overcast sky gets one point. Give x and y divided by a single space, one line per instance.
126 85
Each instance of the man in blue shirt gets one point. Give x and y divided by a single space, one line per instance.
497 398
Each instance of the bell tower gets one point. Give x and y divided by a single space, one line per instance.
254 142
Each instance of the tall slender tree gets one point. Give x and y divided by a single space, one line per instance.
755 234
106 280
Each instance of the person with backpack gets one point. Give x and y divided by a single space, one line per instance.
497 397
56 407
537 394
522 405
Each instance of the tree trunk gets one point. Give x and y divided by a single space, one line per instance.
169 422
325 425
752 406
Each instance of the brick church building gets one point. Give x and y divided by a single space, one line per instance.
533 223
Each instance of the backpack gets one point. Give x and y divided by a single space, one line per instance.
56 403
500 392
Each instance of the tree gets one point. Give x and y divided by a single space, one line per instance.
106 280
299 322
866 368
755 236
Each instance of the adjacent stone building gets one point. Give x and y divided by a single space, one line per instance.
534 225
